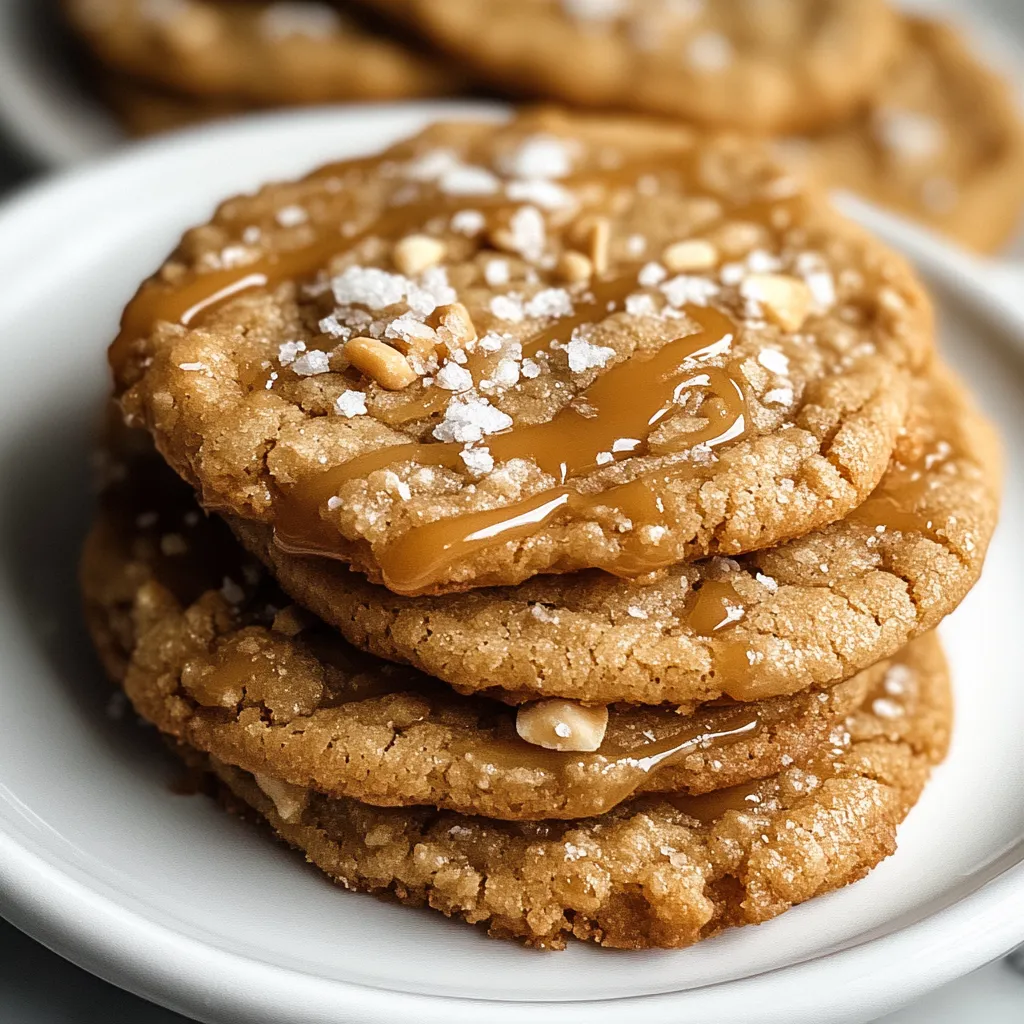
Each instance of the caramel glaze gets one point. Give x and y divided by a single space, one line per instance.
565 447
631 399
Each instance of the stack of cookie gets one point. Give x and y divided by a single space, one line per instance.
567 507
892 106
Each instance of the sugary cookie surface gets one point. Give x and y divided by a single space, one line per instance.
497 351
760 65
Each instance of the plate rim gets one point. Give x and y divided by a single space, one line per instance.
152 959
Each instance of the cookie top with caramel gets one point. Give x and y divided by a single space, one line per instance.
499 350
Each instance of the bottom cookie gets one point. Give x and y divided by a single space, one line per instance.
658 871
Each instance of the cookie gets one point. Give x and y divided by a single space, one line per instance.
205 655
142 110
810 612
750 64
543 346
260 53
941 141
657 871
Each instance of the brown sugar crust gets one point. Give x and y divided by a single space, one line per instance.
811 612
941 140
780 368
657 871
750 64
261 53
203 657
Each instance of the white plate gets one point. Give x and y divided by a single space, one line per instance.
43 108
174 900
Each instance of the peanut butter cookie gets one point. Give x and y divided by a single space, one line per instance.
212 655
261 53
810 612
941 141
657 871
760 65
503 350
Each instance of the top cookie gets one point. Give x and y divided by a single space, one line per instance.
761 65
502 350
254 52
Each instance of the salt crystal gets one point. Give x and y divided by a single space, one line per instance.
291 216
453 377
585 356
478 460
350 403
312 363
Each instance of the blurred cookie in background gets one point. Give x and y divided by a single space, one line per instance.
759 65
941 141
254 53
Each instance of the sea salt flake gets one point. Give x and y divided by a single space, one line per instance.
314 362
334 328
508 308
687 290
530 369
334 503
496 273
546 194
529 233
549 302
465 180
636 612
773 360
779 396
583 355
453 377
350 403
470 419
651 275
192 367
540 156
291 216
478 460
289 351
543 614
468 222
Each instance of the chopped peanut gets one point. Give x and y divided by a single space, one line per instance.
416 253
600 240
575 267
689 256
290 801
562 725
786 300
457 329
381 363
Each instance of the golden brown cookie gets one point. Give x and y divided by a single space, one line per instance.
262 53
537 347
813 611
941 141
142 110
657 871
760 65
207 652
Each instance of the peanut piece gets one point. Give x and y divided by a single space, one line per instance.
786 300
289 800
457 329
574 267
689 256
562 725
381 363
600 242
416 253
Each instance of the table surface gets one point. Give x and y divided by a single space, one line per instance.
39 987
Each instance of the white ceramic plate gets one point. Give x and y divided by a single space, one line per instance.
172 899
43 107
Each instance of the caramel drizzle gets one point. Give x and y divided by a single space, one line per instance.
615 773
620 410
